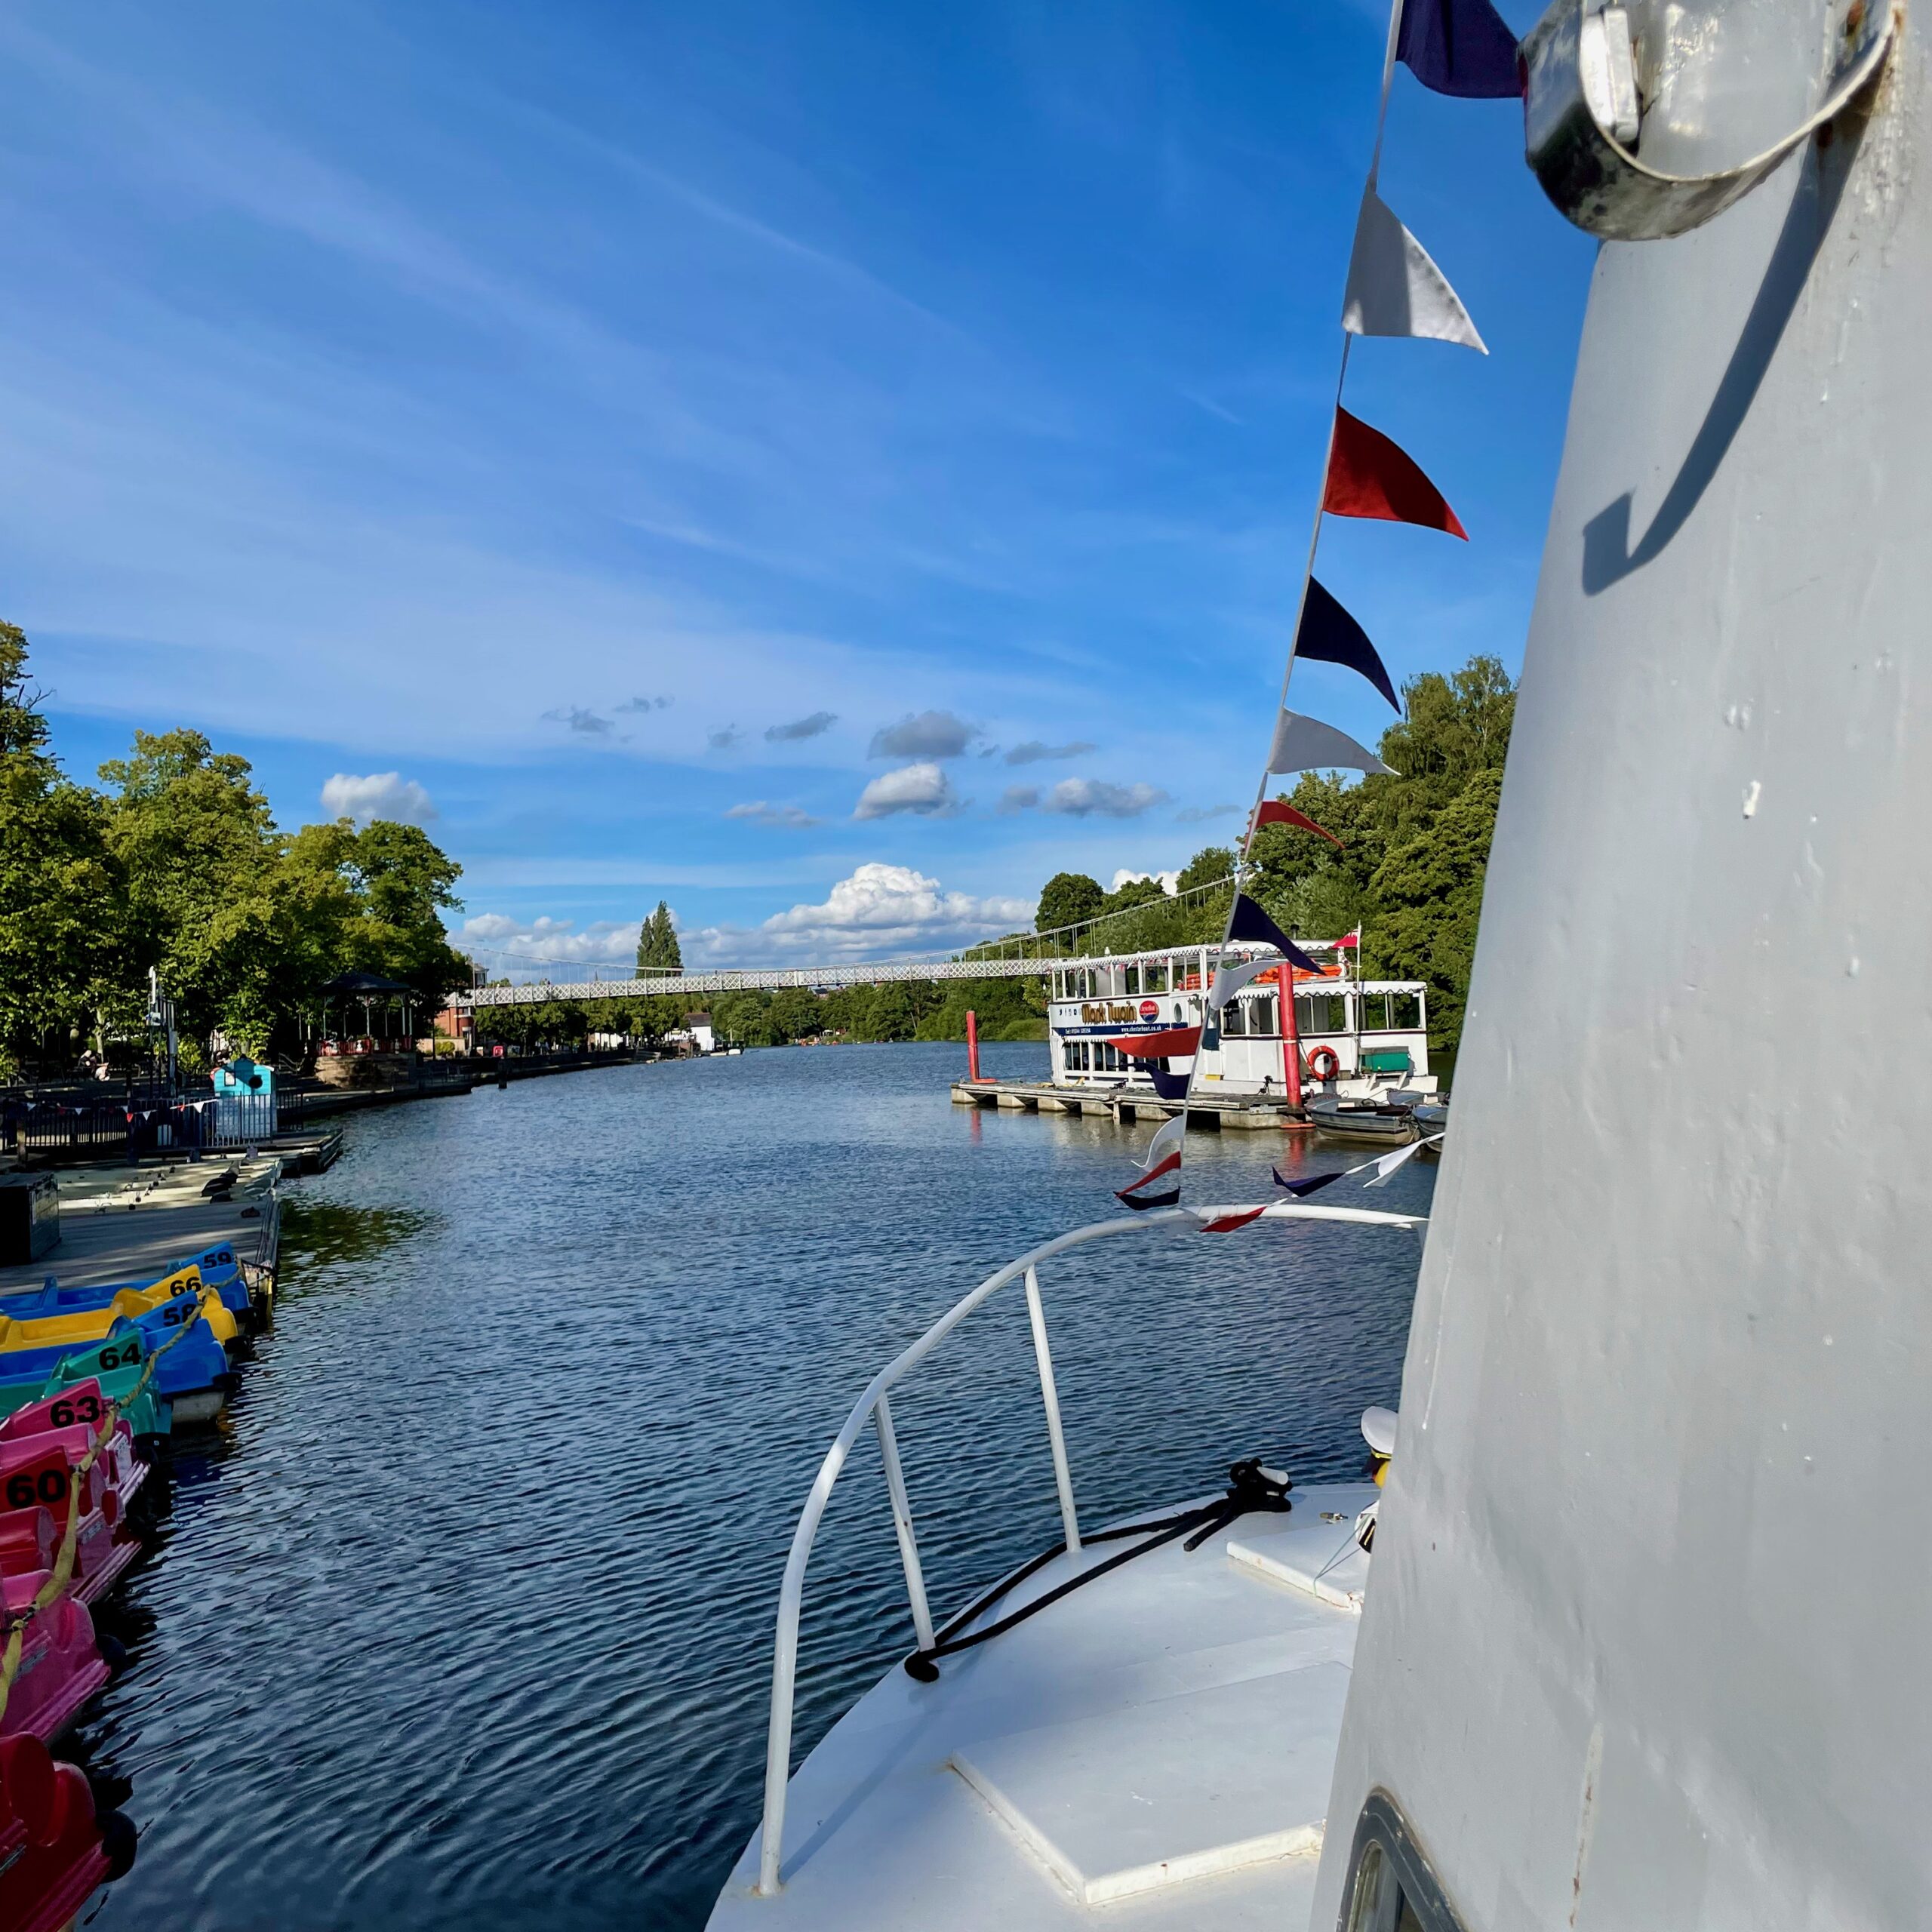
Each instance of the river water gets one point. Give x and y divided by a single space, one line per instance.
465 1619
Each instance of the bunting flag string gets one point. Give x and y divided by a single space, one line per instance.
1305 744
1249 921
1329 635
1460 47
1279 811
1371 475
1394 288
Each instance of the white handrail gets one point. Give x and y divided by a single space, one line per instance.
790 1594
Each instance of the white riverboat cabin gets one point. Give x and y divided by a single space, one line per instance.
1363 1034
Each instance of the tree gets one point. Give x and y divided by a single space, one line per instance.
60 927
1068 899
657 942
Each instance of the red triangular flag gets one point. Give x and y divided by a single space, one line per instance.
1369 476
1175 1042
1274 812
1226 1224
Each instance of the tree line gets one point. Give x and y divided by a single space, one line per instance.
175 863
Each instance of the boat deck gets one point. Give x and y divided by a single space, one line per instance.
1154 1752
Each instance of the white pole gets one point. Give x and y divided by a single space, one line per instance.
902 1523
1050 1394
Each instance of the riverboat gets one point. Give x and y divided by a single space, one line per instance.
1357 1038
1590 1677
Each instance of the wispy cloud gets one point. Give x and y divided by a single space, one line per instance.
931 734
589 724
1034 752
644 704
761 813
813 726
724 739
924 789
1199 814
1020 798
379 794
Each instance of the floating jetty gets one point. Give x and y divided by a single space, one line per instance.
125 1224
1239 1113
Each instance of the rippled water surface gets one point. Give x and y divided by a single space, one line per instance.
465 1619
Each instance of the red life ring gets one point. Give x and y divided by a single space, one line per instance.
1324 1063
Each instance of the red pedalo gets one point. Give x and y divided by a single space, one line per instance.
54 1850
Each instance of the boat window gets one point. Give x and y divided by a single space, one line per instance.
1157 976
1391 1887
1374 1009
1405 1013
1321 1013
1132 976
1262 1022
1234 1019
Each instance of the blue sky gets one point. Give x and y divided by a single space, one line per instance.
643 428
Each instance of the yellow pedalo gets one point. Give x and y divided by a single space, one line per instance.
92 1324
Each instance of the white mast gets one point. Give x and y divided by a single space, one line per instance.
1646 1645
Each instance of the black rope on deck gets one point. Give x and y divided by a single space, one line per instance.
1251 1490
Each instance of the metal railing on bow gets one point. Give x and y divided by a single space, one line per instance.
874 1407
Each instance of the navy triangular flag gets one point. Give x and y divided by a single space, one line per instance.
1169 1086
1459 47
1308 1184
1329 634
1250 922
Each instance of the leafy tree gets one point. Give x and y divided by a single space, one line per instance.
657 942
61 927
1066 899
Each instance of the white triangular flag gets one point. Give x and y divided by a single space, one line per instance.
1167 1141
1306 744
1229 980
1385 1166
1394 287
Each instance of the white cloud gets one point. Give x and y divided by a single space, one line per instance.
515 949
761 813
1086 797
377 794
880 910
925 788
931 734
1170 882
1199 814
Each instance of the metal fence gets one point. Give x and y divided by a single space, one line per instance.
54 1129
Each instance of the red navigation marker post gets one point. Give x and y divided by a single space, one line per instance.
1290 1038
972 1044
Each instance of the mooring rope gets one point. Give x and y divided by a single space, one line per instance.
50 1591
1251 1489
